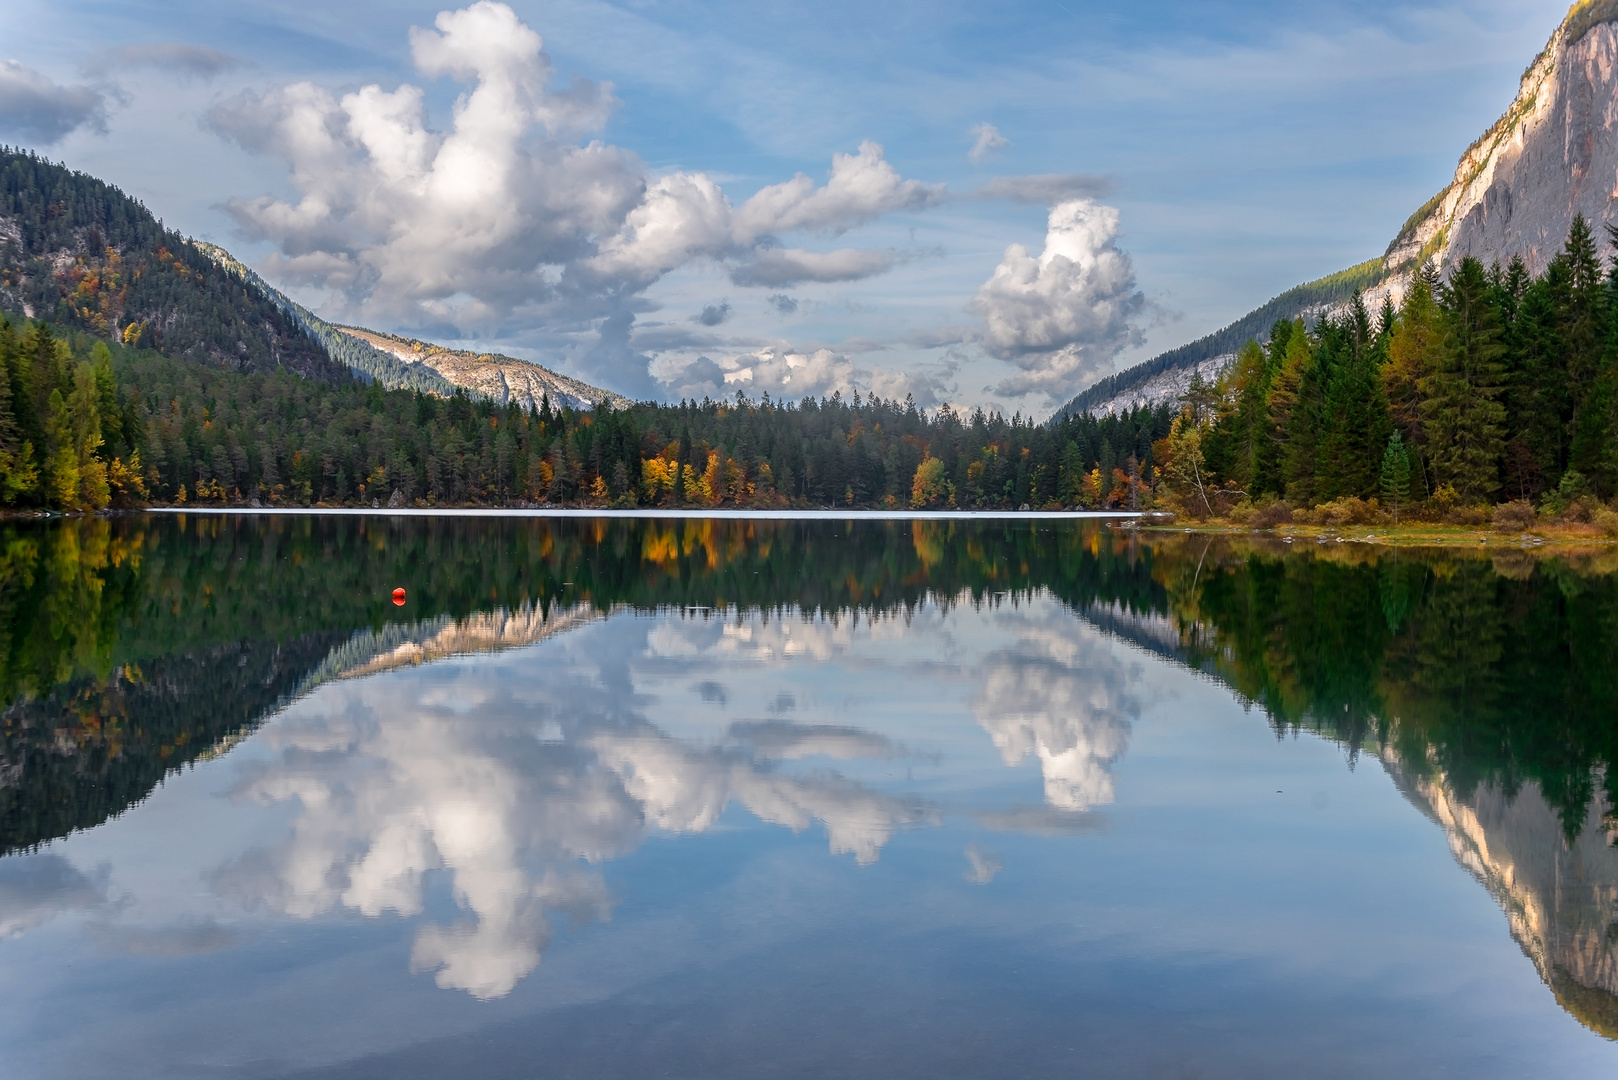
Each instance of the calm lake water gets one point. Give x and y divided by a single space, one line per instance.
799 799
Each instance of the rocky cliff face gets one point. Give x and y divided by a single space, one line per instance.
1552 155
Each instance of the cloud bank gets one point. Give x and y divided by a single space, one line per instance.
507 218
34 109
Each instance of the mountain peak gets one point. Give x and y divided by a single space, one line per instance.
1552 155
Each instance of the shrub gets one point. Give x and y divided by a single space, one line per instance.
1607 521
1269 515
1564 500
1350 510
1515 517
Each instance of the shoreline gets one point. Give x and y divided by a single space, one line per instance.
674 513
1421 534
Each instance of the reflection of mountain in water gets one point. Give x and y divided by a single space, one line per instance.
395 646
1560 898
132 647
92 748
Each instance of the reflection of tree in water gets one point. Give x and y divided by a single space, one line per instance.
130 646
94 747
1488 689
1481 681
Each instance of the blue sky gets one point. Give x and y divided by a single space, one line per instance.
1213 154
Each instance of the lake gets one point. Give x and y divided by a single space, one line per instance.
788 798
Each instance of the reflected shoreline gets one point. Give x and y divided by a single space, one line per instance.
135 647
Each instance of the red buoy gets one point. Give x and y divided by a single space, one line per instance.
398 597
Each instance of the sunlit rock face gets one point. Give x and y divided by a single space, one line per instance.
503 379
1552 155
1560 898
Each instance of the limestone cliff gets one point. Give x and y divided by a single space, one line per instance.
1553 154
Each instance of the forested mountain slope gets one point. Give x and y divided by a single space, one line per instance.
1551 156
80 253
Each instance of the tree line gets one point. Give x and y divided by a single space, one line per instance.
1488 386
85 423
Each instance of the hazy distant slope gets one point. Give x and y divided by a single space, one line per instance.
366 362
78 252
500 378
1553 153
1303 300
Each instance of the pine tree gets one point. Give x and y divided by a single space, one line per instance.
1249 420
1394 479
1413 352
1579 313
1282 403
1462 415
18 475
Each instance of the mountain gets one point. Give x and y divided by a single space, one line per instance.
78 252
502 379
1552 154
405 363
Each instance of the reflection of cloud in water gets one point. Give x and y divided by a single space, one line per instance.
511 785
782 741
184 939
981 865
1062 695
34 889
1042 820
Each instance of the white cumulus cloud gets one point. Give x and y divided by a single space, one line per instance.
788 373
507 220
1061 316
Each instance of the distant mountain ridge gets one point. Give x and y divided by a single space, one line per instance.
406 363
502 379
1552 154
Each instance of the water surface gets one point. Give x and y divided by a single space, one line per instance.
774 798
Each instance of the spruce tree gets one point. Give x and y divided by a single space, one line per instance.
1413 352
1580 312
1394 478
1462 415
1282 404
